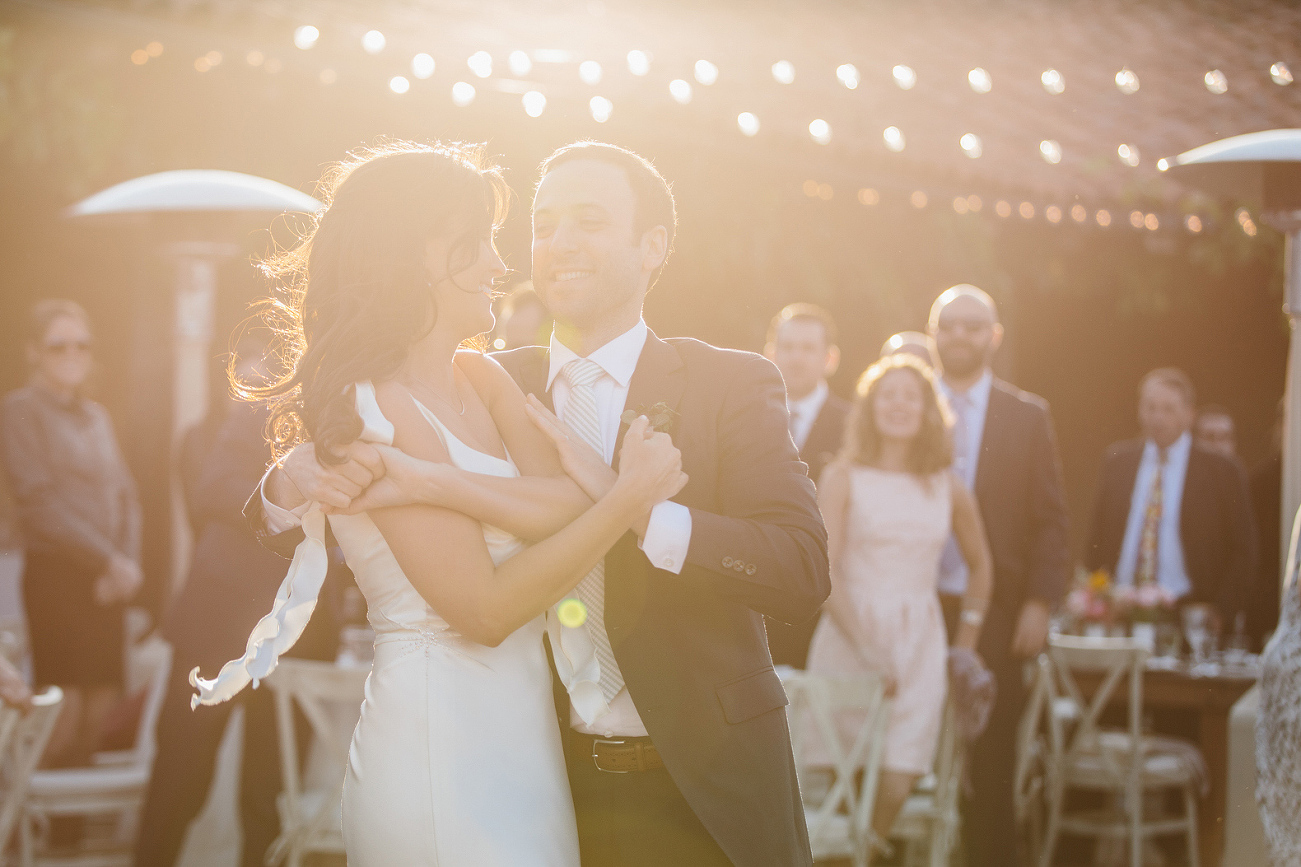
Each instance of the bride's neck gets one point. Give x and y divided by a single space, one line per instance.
430 360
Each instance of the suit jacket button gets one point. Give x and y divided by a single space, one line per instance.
727 562
750 569
739 566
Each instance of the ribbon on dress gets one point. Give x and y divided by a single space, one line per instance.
296 599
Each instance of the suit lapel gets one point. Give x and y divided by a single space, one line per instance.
659 377
533 376
991 438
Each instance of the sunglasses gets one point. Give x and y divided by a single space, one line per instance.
61 347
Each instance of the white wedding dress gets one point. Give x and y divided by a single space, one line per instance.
457 759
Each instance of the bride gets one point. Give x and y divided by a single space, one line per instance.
457 757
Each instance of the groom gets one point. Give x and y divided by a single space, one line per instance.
687 758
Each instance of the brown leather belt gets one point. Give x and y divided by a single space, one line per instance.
617 755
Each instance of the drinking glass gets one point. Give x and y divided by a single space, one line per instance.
1197 629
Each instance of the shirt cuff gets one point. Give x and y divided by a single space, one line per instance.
668 536
279 519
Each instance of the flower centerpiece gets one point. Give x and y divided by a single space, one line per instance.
1144 609
1091 605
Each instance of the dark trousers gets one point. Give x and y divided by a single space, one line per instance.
185 763
638 819
989 812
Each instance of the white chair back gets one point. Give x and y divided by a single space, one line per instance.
1120 663
24 738
837 733
145 744
330 698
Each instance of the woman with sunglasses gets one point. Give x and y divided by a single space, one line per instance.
80 517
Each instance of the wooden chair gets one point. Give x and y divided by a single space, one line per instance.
310 805
108 794
838 779
1035 749
1121 762
22 742
929 822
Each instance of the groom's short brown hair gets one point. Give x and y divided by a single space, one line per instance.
653 194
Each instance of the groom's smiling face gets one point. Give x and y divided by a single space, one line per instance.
590 266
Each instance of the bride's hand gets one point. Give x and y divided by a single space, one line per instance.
333 485
578 459
650 466
404 480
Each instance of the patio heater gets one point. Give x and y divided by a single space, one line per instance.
199 217
1264 169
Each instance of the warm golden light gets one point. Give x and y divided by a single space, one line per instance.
305 37
1002 208
1127 81
1103 218
1128 154
1079 213
1026 210
422 66
868 197
1216 82
971 145
373 42
918 199
139 57
980 80
1053 81
904 77
1053 214
894 139
1051 151
783 72
820 130
747 123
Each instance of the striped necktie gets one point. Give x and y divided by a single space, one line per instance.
582 418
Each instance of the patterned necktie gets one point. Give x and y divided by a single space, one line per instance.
1145 570
583 420
953 567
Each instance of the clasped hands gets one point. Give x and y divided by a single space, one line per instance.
373 476
119 582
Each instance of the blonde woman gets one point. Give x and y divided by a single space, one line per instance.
890 500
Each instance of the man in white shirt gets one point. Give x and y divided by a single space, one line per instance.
676 736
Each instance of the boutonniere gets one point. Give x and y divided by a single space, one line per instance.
662 416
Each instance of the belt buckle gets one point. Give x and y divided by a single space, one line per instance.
596 761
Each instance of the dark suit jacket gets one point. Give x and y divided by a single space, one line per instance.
826 436
1216 526
789 644
1021 496
692 647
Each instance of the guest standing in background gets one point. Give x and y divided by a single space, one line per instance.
523 321
1006 452
1215 431
1172 513
1266 484
232 580
890 502
80 518
802 343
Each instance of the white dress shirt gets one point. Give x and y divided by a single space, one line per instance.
668 533
971 407
804 412
1170 572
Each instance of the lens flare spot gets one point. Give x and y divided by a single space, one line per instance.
571 613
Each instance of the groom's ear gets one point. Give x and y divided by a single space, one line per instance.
654 247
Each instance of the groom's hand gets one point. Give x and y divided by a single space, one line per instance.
333 485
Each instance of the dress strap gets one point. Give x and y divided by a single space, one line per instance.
296 599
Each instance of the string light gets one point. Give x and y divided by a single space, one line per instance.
601 108
254 57
1079 213
894 139
748 124
1247 224
680 90
520 63
1127 81
1151 222
590 72
480 63
1216 82
422 66
534 103
462 93
847 74
1002 208
904 77
154 49
783 72
1103 218
918 199
139 57
399 84
974 203
820 130
1136 219
811 188
1128 154
1053 81
706 72
867 197
1193 223
825 192
305 37
1280 73
960 205
1053 214
980 80
1026 210
373 42
1162 165
971 146
638 62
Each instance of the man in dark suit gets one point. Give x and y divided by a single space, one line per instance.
1006 451
802 343
689 762
1171 512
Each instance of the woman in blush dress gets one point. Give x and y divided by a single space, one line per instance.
890 502
457 758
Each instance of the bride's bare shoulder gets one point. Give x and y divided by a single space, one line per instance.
485 373
412 432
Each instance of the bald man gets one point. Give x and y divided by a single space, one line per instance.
1006 452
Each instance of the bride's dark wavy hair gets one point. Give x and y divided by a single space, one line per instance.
354 294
